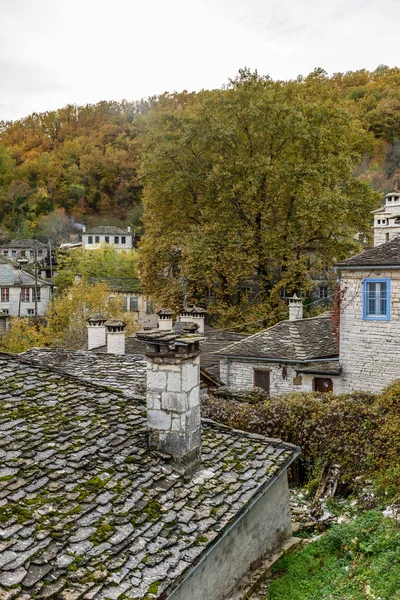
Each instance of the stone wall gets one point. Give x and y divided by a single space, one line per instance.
263 529
17 308
380 234
369 350
173 407
240 374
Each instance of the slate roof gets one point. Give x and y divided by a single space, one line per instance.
108 229
329 367
24 244
301 340
386 255
87 511
124 373
214 339
119 284
12 275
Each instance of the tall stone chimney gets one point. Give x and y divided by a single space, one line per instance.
115 336
193 314
173 398
165 319
96 331
295 308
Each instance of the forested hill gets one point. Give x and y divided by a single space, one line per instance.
85 159
81 159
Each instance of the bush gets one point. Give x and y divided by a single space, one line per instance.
358 431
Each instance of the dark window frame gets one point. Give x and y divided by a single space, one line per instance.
262 379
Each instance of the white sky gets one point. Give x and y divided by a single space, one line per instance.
56 52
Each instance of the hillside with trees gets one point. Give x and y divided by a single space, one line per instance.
246 189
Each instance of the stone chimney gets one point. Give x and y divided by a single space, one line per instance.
96 331
295 308
115 336
193 314
173 398
165 319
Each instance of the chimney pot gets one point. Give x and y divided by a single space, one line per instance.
165 319
115 336
96 331
173 398
194 314
295 308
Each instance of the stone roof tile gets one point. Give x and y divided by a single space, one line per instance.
304 339
87 510
385 255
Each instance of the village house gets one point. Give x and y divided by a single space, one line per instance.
105 498
120 239
19 290
387 219
293 355
133 298
26 253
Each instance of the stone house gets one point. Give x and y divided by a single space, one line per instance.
105 498
120 239
370 317
294 355
24 252
387 219
134 300
18 291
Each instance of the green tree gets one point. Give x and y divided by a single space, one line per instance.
251 185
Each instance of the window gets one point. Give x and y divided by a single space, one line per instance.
149 308
116 239
40 252
90 239
5 311
5 294
261 379
25 295
97 239
323 291
123 239
31 312
387 237
125 303
22 253
107 239
5 252
376 299
31 252
133 303
38 294
13 253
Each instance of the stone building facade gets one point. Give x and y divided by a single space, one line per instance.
120 239
370 318
17 292
387 220
293 355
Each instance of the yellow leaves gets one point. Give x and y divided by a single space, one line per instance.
22 335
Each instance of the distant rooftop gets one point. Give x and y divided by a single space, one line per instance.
301 340
119 284
108 229
385 255
24 244
88 511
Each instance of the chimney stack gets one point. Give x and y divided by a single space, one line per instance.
115 336
295 308
96 331
165 319
193 314
173 398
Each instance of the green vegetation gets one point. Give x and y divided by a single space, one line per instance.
245 189
360 432
354 561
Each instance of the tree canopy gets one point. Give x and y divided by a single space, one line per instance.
251 186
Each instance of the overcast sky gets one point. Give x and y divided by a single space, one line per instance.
56 52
